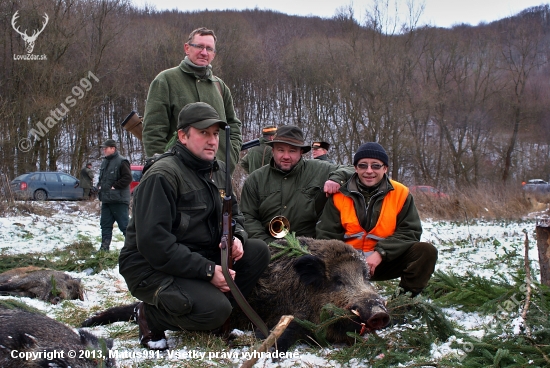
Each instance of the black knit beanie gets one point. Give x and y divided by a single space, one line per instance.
371 150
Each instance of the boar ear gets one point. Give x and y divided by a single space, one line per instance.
311 270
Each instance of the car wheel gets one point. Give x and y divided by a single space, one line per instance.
40 195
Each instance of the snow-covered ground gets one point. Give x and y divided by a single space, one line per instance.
474 246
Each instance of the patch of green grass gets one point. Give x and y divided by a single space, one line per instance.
119 237
71 314
16 304
124 331
76 257
83 238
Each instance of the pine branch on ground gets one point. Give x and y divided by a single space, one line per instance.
421 324
404 309
469 293
330 314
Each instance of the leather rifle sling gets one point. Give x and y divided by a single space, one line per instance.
239 297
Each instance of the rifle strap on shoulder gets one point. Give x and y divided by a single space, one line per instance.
239 297
218 85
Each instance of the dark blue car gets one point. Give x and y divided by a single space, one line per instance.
43 185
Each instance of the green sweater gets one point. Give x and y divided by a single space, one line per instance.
298 195
174 88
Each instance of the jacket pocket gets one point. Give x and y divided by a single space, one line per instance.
174 300
113 196
183 225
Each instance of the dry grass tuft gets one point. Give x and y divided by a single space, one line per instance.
25 208
492 202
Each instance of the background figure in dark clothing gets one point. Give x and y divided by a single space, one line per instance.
260 155
320 151
86 180
114 181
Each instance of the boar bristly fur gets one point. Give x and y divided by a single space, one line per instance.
332 273
23 332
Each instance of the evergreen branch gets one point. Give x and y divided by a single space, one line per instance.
330 314
533 342
293 248
469 292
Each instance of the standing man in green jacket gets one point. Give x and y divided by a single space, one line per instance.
377 216
191 81
260 155
291 186
171 258
114 181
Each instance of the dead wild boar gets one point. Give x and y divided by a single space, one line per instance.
333 273
32 340
42 283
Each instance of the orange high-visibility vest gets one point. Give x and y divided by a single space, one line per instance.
358 237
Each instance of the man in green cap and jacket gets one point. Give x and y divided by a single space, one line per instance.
290 186
171 258
191 81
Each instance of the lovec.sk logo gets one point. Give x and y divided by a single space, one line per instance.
29 40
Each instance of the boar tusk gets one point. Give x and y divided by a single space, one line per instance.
355 312
363 329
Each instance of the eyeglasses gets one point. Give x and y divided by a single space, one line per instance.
208 49
363 166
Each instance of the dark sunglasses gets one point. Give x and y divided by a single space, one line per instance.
363 166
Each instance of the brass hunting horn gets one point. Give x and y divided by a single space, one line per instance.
279 227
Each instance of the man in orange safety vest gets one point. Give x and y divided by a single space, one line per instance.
377 216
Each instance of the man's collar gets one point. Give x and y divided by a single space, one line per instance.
193 161
200 72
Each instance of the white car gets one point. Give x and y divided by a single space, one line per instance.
536 185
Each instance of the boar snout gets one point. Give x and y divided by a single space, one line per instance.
372 313
379 319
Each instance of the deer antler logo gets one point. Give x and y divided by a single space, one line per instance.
29 40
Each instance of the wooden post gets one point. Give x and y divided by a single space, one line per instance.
543 245
273 336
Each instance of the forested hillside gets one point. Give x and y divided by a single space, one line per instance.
453 107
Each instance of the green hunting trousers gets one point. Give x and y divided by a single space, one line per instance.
174 303
415 267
